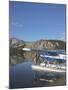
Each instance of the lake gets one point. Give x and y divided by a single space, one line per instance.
22 76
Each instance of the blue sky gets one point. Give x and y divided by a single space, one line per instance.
34 21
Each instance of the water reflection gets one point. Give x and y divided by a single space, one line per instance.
22 76
16 60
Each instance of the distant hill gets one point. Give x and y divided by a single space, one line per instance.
15 43
43 44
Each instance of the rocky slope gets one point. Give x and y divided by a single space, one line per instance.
43 44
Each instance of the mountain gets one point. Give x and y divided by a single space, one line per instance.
41 44
14 43
49 44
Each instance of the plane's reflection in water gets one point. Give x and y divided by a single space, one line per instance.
22 76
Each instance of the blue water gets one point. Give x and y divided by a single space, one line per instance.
22 76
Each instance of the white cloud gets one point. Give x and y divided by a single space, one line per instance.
16 24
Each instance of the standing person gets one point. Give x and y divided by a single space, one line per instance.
36 59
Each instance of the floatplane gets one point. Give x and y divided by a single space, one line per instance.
46 65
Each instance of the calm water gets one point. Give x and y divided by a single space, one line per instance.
22 76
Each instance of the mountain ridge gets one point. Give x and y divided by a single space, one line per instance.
43 44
